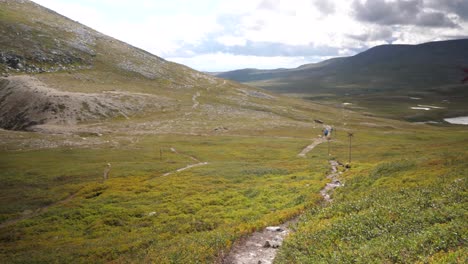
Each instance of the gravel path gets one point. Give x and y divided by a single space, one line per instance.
310 147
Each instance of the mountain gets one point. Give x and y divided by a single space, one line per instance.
431 72
423 66
59 72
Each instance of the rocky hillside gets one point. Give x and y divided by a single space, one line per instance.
59 72
25 102
35 39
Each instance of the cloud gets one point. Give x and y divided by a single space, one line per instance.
230 40
266 49
400 12
324 6
458 7
225 61
269 4
375 33
268 32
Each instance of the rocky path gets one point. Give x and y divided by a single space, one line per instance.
310 147
335 183
261 247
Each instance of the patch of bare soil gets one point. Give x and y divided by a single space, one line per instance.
26 102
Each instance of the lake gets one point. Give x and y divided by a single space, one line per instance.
461 120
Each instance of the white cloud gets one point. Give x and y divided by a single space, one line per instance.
225 61
201 33
229 40
81 13
165 34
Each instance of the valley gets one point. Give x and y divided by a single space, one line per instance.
109 154
431 72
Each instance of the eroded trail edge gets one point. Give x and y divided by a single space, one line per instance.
261 247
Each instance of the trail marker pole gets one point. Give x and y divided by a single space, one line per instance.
350 135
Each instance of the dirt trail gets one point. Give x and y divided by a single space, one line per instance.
37 212
310 147
183 154
261 247
185 168
199 163
70 197
194 100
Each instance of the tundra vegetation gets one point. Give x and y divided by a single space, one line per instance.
404 200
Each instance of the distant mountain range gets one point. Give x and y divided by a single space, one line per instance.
433 65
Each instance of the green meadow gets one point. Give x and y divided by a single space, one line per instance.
404 199
139 215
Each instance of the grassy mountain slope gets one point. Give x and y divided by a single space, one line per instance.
78 75
431 71
198 162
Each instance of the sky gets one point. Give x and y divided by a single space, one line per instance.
222 35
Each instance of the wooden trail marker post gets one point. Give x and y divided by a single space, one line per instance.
105 176
350 135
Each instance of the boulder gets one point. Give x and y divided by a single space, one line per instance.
274 228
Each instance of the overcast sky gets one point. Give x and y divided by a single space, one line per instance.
220 35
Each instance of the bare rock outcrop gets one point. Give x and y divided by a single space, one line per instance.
25 102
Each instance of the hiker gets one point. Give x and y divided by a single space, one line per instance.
325 132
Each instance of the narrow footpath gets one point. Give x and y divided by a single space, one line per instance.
310 147
199 163
261 247
44 209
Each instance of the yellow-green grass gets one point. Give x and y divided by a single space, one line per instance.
405 200
249 183
252 180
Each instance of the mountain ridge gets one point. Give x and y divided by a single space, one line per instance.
388 62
